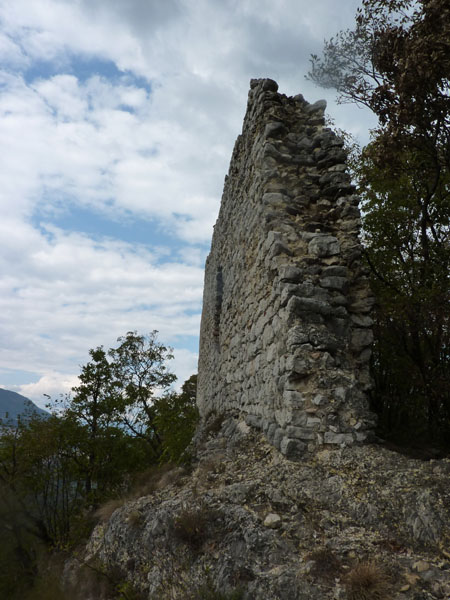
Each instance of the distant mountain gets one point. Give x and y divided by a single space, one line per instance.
12 405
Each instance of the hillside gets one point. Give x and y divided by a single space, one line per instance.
355 523
12 405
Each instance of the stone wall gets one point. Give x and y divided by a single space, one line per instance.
286 328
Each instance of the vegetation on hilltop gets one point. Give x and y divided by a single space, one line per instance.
121 419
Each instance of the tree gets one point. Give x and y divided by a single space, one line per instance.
115 405
41 494
176 416
410 278
96 404
139 371
397 62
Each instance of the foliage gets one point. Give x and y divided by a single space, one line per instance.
118 421
176 416
410 276
397 62
139 370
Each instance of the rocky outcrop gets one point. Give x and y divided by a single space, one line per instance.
286 328
248 523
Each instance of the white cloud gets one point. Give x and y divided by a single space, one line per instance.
52 384
72 293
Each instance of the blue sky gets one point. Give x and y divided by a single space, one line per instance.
117 123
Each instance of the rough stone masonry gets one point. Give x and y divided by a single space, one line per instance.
286 328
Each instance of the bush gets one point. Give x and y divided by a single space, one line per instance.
366 581
193 526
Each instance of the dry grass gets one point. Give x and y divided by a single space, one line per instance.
157 477
135 518
367 581
105 511
145 483
193 526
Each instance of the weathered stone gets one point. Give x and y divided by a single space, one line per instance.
334 283
286 311
361 338
338 438
272 520
290 273
273 128
301 433
298 305
320 105
335 271
292 448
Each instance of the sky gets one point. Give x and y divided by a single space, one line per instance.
117 123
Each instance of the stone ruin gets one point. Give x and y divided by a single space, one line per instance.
286 328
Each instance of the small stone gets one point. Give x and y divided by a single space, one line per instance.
273 128
292 448
273 521
319 105
420 566
338 438
269 85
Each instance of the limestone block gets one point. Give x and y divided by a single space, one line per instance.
312 305
273 521
276 249
313 422
362 320
320 105
274 198
335 271
338 438
277 437
293 399
290 273
299 366
361 338
267 336
292 448
273 129
297 335
362 305
334 283
319 400
301 433
324 245
254 421
283 416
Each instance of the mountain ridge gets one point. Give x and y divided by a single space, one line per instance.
13 404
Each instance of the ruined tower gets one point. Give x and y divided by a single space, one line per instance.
286 327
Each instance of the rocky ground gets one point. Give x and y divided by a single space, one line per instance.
360 523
